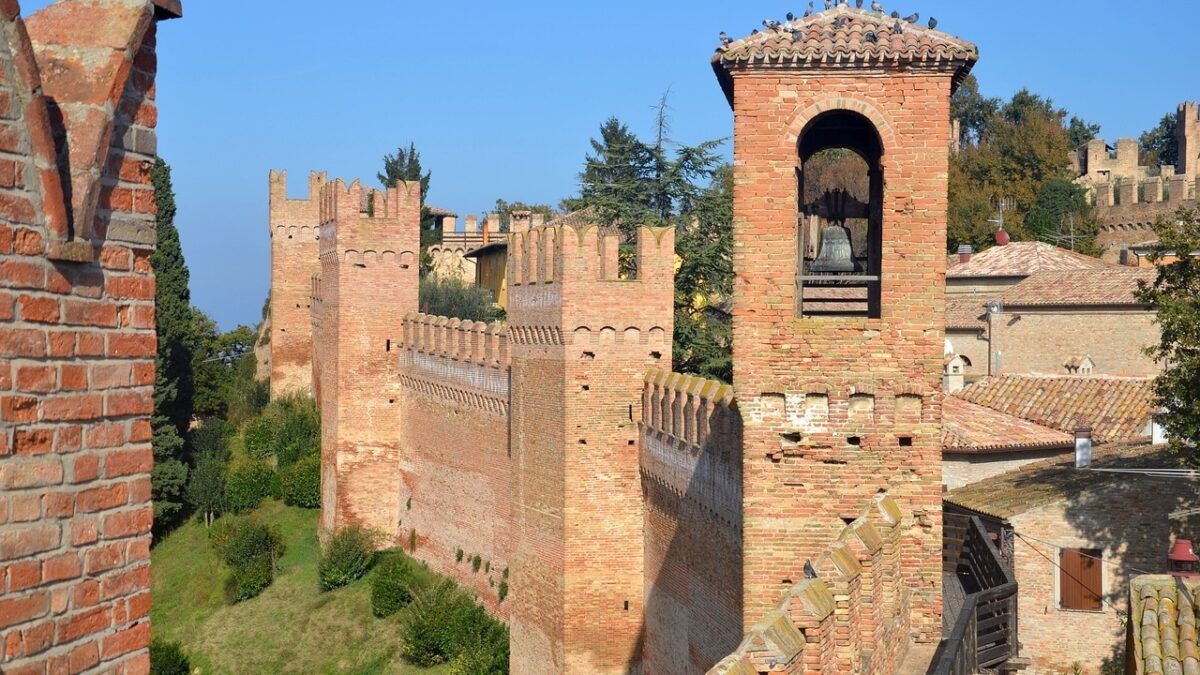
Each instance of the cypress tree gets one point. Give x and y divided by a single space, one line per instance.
173 374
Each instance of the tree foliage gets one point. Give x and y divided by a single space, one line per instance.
1160 145
1010 151
504 209
215 363
1062 215
1175 296
450 296
404 165
173 363
1080 132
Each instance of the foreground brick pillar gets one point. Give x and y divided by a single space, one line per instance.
369 253
839 408
294 225
581 339
77 339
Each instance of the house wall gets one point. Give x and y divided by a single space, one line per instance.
974 345
959 469
1042 340
77 336
1129 520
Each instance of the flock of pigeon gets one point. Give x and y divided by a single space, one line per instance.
772 24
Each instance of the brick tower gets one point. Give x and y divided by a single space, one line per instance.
837 357
582 334
1187 135
294 224
368 282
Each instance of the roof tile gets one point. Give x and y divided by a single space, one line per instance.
1116 408
1162 624
1023 258
1115 286
971 428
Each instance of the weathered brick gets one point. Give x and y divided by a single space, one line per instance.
22 609
128 462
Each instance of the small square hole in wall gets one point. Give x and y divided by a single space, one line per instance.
588 356
587 387
631 441
906 441
656 355
854 440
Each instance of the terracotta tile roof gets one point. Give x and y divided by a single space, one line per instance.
1113 286
1023 258
1162 624
1049 481
440 212
971 428
844 37
965 313
584 216
1116 408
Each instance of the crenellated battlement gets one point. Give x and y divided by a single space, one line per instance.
475 342
363 225
852 616
544 255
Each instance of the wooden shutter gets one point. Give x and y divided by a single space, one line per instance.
1080 578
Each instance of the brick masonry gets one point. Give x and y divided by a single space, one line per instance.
77 338
294 225
1033 340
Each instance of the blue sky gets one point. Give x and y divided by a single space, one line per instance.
501 98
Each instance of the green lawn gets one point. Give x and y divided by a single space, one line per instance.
291 628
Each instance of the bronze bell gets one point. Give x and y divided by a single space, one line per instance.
834 253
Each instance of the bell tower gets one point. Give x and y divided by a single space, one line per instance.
838 292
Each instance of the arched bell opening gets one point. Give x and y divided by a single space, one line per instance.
839 217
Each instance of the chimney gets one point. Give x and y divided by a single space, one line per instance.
484 230
1001 237
964 253
537 220
1181 559
1083 447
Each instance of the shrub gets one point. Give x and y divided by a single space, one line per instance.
211 437
453 297
248 485
458 555
251 549
392 584
167 658
260 437
347 557
447 625
502 592
300 483
475 563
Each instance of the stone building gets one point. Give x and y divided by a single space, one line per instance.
650 520
1074 538
77 340
1030 307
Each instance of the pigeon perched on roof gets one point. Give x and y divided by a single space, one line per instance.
754 32
809 571
913 18
725 39
895 14
797 36
828 4
933 22
876 7
809 11
770 23
898 28
839 22
858 3
871 37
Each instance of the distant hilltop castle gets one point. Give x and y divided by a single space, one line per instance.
1129 197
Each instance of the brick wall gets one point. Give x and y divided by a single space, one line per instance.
796 378
77 337
294 225
1041 341
961 468
1129 521
691 469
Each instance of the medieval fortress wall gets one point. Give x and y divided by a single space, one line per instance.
1130 197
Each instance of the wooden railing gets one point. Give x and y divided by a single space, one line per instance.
985 632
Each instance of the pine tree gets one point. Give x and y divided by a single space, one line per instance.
173 375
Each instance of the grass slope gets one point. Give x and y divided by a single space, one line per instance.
291 628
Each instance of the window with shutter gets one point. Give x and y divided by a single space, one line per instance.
1080 579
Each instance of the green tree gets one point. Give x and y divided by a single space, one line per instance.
405 165
215 363
1175 296
972 110
505 207
615 179
1160 145
452 297
1080 132
1062 216
173 375
703 337
206 486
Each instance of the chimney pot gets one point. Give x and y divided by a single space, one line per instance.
964 253
1001 237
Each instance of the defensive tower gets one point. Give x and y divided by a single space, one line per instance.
294 225
369 254
582 332
837 355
